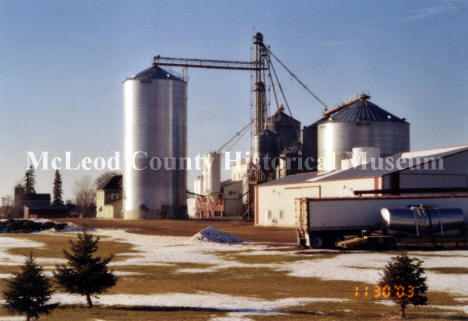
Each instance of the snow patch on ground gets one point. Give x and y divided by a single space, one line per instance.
362 266
271 252
8 243
458 308
7 259
13 318
389 303
195 270
158 250
233 316
126 273
72 227
233 304
154 250
461 299
368 267
450 253
241 316
212 234
50 274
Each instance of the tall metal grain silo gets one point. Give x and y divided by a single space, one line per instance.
155 145
212 173
309 147
266 147
359 123
287 128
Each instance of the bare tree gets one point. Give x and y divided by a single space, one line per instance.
102 180
85 196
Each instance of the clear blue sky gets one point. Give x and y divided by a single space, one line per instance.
62 64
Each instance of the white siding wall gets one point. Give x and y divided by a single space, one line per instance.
191 206
275 200
233 205
101 211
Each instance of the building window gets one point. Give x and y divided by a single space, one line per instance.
281 215
269 215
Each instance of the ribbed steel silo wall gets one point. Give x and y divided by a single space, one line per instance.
339 138
266 147
287 129
155 127
309 146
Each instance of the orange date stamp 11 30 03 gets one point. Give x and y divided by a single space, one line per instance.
384 291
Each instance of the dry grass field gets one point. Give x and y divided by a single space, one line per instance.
167 277
242 229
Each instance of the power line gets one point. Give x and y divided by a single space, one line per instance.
238 134
279 86
297 79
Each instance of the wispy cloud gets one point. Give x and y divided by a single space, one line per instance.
427 12
337 43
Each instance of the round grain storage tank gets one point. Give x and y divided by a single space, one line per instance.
266 148
155 145
212 173
287 128
359 124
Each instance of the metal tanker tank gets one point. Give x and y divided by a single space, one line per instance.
359 124
420 220
155 141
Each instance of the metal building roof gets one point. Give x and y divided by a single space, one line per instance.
363 110
408 159
115 182
37 197
155 72
404 161
291 179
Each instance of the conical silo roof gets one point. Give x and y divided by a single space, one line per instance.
155 72
364 110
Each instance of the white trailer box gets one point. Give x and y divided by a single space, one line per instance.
324 220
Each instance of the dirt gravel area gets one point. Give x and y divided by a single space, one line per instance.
244 230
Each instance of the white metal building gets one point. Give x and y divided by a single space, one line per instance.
435 171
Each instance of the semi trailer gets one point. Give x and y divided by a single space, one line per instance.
327 222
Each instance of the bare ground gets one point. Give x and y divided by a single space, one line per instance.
244 230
